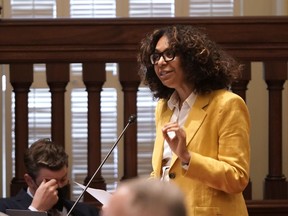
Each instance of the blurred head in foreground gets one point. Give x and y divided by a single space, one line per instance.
146 197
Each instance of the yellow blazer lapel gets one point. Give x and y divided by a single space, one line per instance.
194 119
196 116
164 118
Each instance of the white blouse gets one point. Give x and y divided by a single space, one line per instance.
179 116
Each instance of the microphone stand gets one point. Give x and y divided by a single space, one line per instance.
131 120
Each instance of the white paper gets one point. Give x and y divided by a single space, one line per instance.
101 195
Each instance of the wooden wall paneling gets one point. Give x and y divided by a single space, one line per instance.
267 207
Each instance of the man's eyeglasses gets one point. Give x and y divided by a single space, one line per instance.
168 55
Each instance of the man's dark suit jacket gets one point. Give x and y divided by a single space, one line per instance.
22 201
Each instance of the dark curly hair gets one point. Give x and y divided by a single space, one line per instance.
205 65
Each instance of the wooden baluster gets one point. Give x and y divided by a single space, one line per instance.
21 78
94 76
130 82
57 75
275 181
240 88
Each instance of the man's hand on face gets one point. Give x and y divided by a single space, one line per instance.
46 195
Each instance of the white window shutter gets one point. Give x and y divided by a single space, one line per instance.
33 8
148 8
108 136
92 8
211 7
146 130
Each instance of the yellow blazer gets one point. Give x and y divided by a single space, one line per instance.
217 133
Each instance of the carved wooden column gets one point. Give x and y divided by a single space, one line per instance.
57 75
275 181
130 82
240 88
21 78
94 76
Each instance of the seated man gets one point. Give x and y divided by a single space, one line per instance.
146 197
47 179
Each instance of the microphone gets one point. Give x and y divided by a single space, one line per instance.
131 120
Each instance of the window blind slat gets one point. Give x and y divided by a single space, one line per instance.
148 8
92 8
33 9
211 7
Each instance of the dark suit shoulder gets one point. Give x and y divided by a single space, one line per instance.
21 201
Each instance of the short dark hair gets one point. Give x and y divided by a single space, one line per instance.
44 153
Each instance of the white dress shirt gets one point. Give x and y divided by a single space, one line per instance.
180 116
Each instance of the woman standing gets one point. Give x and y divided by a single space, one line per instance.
202 128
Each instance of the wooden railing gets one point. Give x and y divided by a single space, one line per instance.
94 42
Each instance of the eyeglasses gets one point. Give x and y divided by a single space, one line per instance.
168 55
